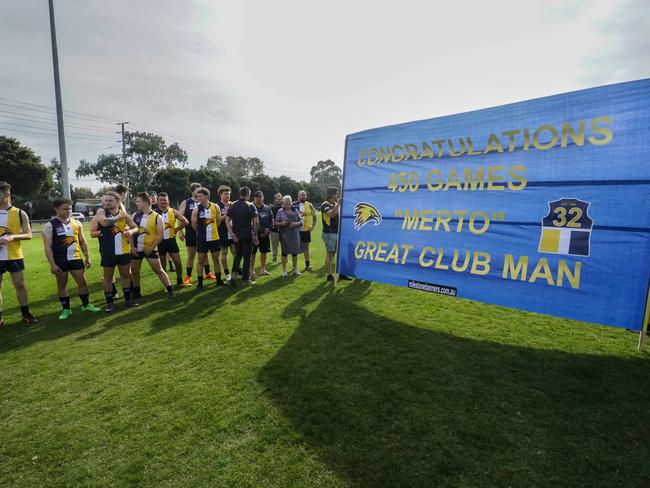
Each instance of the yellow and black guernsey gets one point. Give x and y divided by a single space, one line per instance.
206 223
147 232
330 224
11 223
169 222
113 238
65 240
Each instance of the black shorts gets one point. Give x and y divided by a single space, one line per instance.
190 238
225 243
264 245
110 260
305 236
141 255
74 265
168 246
12 266
208 246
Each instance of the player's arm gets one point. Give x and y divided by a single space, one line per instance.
195 219
105 221
181 221
256 227
333 212
83 244
181 211
94 228
313 216
229 226
130 223
25 228
47 243
160 232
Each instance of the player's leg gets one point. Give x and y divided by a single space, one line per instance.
156 267
136 266
215 254
79 275
189 264
224 258
63 294
2 322
175 258
108 284
306 254
251 271
125 267
18 280
203 257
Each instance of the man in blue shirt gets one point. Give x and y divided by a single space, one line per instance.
265 218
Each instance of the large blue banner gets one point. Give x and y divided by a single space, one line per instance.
542 205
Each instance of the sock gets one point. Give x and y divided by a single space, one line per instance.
226 270
127 294
206 268
189 271
169 289
131 284
200 281
84 299
307 263
219 276
65 302
114 289
109 296
136 289
179 281
25 310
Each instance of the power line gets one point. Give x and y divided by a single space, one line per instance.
12 130
51 122
93 136
81 114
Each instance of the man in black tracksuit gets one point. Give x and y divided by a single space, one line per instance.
243 223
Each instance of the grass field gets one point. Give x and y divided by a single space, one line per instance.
296 384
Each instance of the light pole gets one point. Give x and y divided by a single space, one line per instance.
59 107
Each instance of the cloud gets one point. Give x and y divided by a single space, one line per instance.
287 80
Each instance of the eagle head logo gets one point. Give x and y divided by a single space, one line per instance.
168 225
364 213
143 231
68 241
5 231
116 230
207 221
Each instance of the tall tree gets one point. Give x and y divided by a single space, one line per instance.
146 155
23 170
326 173
236 166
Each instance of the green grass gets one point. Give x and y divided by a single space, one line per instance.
293 383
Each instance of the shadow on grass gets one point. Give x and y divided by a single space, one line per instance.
384 403
47 328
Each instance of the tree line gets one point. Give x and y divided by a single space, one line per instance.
151 164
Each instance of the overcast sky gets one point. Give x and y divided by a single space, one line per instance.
287 80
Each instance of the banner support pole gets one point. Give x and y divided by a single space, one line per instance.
338 234
646 316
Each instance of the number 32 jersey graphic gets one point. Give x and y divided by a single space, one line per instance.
567 228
